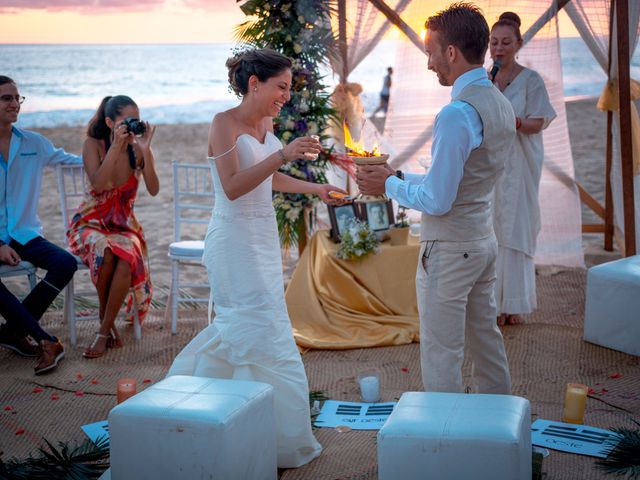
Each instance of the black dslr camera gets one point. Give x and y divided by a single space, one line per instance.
134 126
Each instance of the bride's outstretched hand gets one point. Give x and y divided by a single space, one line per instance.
323 193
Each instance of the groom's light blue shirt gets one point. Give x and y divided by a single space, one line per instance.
456 132
20 183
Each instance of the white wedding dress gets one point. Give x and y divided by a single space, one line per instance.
251 337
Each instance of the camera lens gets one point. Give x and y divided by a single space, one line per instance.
134 126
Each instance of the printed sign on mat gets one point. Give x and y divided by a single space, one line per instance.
572 438
357 416
97 430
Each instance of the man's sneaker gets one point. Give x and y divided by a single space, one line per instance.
50 355
22 346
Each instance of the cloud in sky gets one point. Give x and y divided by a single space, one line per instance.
88 6
84 6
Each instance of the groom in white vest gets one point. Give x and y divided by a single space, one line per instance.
456 272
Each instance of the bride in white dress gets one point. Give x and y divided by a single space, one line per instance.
250 337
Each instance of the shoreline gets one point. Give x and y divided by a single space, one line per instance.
188 143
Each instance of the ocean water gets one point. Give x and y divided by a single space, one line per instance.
188 83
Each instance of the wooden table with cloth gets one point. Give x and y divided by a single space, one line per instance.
339 304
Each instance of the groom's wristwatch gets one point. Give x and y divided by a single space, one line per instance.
399 174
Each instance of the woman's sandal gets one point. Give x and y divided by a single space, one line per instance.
114 341
90 352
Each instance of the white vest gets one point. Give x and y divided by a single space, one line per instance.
470 216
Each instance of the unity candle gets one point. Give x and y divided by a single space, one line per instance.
126 388
575 400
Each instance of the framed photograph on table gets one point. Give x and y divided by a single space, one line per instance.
379 215
340 216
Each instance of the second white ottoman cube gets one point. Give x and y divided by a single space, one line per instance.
456 436
195 428
612 310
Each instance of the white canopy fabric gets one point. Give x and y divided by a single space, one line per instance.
591 18
416 97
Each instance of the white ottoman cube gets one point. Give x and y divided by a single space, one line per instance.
195 428
612 310
456 436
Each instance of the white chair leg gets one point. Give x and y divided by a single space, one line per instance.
32 279
175 275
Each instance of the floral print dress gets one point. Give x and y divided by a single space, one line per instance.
106 220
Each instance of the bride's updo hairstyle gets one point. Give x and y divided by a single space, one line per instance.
509 19
264 63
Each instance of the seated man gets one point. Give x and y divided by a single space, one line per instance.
23 155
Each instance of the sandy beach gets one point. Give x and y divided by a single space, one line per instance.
188 143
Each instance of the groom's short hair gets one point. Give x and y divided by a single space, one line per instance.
463 26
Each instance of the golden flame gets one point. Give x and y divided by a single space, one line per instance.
356 149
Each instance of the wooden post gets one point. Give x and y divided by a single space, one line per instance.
342 40
626 147
608 197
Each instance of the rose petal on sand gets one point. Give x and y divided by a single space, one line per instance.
54 396
615 375
146 380
8 408
37 390
20 431
79 393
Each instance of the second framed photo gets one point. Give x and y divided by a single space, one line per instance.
379 215
340 217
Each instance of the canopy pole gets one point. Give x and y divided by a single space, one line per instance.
626 139
396 20
342 39
608 195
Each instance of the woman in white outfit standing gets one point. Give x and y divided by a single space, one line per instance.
517 212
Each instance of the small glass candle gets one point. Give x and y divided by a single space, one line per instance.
315 155
126 388
575 400
369 387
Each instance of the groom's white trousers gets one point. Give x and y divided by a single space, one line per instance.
455 284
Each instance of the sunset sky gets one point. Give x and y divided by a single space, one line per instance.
126 21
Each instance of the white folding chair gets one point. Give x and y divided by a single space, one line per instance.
192 203
23 268
72 188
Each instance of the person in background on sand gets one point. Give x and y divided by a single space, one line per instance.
23 155
104 232
251 337
385 93
455 279
517 211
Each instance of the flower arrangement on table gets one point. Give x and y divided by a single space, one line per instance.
300 29
358 241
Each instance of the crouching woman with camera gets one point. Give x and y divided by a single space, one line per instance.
104 232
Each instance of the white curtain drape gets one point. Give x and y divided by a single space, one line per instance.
592 18
416 97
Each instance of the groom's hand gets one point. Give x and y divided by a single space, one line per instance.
371 178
